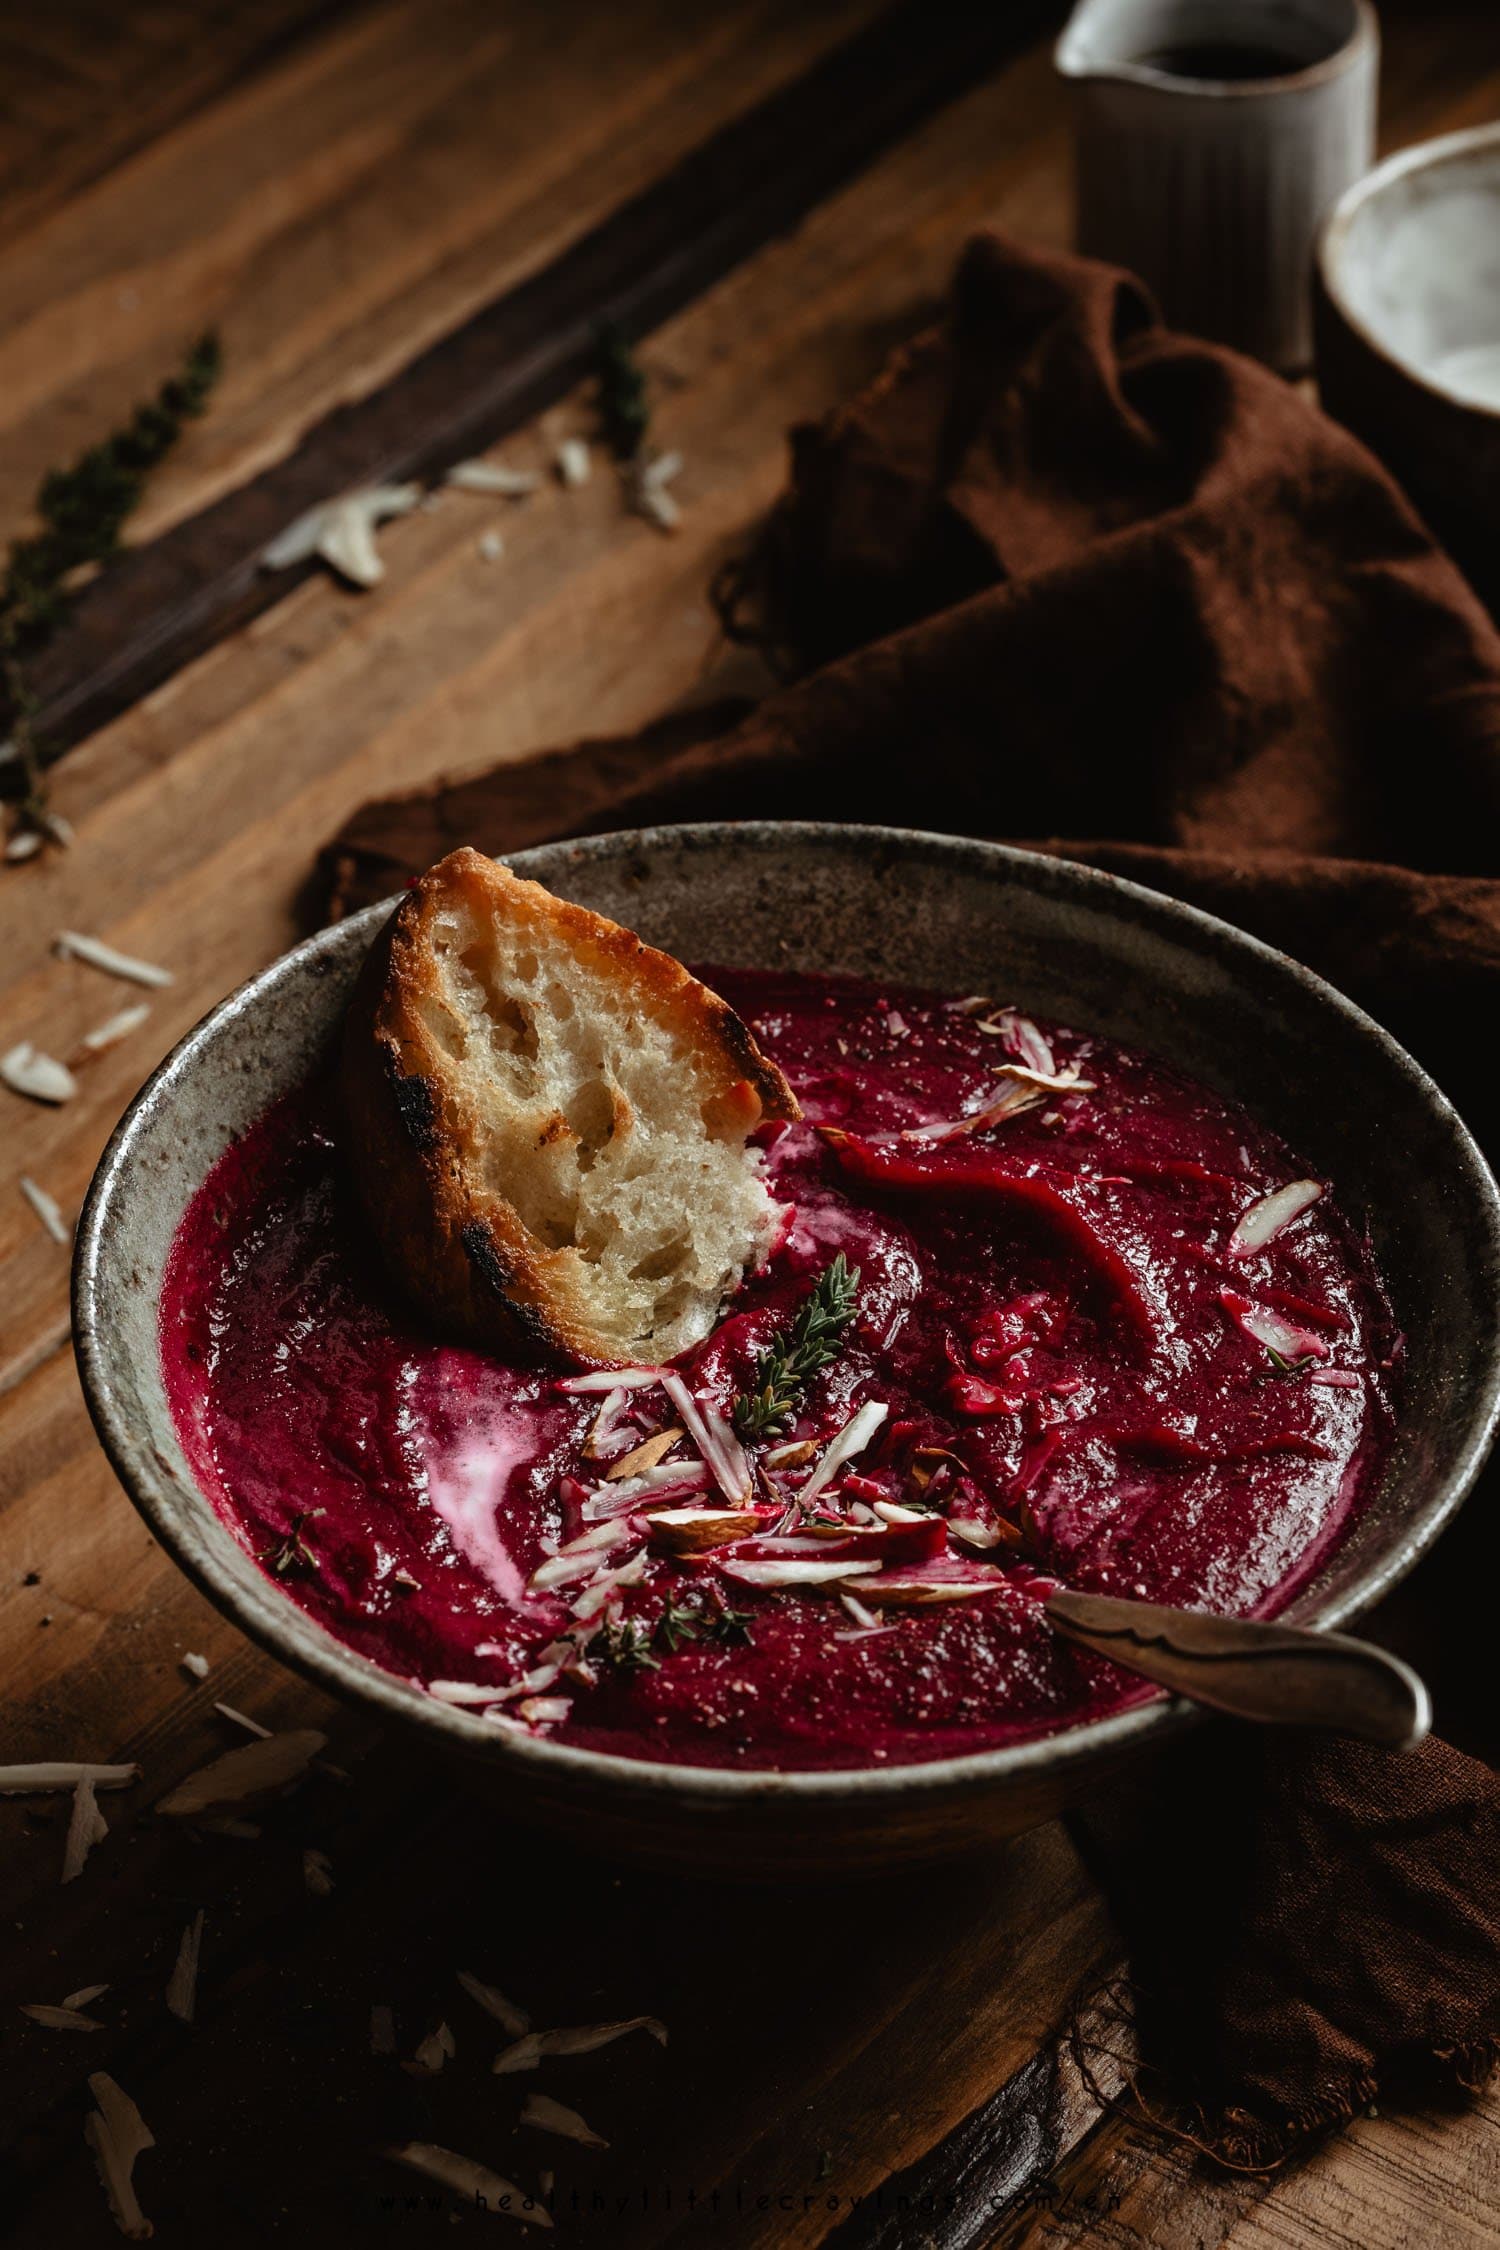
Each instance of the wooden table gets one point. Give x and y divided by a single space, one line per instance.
338 189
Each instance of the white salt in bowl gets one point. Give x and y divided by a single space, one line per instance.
1407 321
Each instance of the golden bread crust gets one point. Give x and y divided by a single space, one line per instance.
457 1245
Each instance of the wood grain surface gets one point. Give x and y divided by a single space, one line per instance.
753 177
340 188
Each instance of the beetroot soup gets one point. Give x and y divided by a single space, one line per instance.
1042 1310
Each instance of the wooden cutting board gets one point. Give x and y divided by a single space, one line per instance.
340 190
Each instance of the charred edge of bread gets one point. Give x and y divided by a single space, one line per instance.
475 1276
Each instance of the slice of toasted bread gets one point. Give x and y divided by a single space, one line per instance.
548 1122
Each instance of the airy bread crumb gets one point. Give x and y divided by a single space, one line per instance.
549 1122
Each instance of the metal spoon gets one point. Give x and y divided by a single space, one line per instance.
1282 1675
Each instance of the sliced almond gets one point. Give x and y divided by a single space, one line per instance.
493 477
86 1828
434 2051
317 1873
600 1589
691 1531
574 462
603 1422
182 1987
32 1781
797 1572
926 1462
1064 1081
555 2117
582 1557
40 1077
476 2183
790 1456
117 2134
846 1443
1271 1214
975 1532
607 1378
577 2039
76 945
646 1455
461 1693
342 532
254 1770
47 1210
714 1438
114 1028
494 2003
544 1710
889 1590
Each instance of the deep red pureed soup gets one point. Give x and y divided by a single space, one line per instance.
1109 1351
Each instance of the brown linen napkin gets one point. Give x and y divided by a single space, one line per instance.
1060 573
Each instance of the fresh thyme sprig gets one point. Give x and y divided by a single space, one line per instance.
83 510
623 405
784 1370
679 1622
626 1644
629 1644
293 1554
695 1620
730 1625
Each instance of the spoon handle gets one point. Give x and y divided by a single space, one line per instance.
1282 1675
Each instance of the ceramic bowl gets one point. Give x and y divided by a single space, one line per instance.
1407 321
1097 952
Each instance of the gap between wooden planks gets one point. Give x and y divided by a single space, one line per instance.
335 215
751 179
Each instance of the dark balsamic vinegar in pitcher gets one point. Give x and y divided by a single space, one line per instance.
1226 61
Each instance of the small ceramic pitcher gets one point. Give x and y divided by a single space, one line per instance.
1213 136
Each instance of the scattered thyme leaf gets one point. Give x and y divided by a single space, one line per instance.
83 510
732 1625
679 1622
784 1370
293 1554
625 1643
1281 1365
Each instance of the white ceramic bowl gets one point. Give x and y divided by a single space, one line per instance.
1407 318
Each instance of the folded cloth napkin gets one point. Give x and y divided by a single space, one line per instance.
1061 573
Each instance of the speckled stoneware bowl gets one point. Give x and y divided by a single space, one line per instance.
1098 953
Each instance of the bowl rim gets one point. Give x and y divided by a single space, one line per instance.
1070 60
264 1612
1421 156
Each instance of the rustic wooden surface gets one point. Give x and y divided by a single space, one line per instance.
338 187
